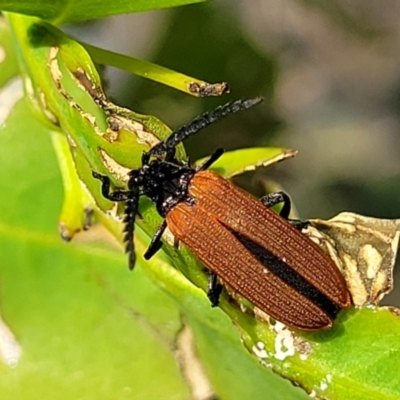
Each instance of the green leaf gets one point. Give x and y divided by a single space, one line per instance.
232 372
59 95
61 12
236 162
86 326
70 306
84 330
77 315
156 73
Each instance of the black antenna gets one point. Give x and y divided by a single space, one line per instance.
199 123
131 209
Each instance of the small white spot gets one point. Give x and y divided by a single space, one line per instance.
260 345
265 364
284 259
259 350
243 308
303 357
3 54
284 342
279 327
10 349
260 353
325 382
265 271
10 93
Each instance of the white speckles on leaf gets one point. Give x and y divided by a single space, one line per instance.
259 350
284 342
324 384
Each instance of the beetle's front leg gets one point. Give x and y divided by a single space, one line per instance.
118 195
155 243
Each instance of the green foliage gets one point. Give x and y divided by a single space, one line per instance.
88 328
59 13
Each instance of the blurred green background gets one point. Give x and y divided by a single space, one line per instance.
328 71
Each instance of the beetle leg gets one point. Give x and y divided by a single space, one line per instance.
131 197
298 224
210 160
272 199
118 195
155 243
214 289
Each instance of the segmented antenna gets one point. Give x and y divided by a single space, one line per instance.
199 123
131 208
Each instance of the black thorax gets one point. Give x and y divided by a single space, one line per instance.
164 183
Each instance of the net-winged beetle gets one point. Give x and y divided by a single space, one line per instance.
256 252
